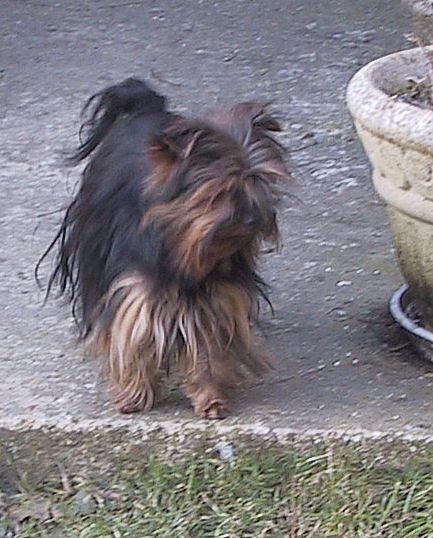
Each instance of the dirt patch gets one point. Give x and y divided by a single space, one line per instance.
417 93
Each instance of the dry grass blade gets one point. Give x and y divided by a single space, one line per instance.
428 55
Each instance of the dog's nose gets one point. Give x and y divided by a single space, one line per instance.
252 220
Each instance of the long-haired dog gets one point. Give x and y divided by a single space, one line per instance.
158 249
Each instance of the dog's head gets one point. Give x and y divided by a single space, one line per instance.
213 188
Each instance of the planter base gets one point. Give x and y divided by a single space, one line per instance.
404 311
413 240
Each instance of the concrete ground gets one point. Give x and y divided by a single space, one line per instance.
343 366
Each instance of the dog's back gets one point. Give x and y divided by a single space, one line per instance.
133 97
99 238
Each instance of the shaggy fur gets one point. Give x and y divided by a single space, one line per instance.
158 249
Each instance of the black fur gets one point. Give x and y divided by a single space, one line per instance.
101 236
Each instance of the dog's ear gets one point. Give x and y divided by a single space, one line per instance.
241 120
252 116
252 126
167 150
164 151
165 158
168 153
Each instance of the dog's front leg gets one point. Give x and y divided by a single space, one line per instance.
137 388
206 389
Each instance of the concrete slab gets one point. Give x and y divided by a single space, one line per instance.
342 364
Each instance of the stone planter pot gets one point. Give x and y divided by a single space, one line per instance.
398 139
422 7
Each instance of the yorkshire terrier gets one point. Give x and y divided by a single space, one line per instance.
159 248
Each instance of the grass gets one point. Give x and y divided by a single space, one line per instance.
297 491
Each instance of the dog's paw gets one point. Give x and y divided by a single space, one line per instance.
212 410
127 403
129 407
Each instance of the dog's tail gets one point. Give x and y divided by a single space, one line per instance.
102 109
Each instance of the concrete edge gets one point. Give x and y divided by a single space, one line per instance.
181 428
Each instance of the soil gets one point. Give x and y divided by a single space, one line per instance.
418 93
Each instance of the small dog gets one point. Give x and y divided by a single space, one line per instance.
159 247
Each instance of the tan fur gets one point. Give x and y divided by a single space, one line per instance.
210 340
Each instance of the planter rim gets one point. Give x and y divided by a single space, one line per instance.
378 112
